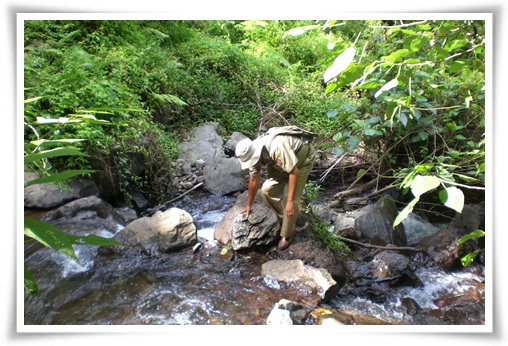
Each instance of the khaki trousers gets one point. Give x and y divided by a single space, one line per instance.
275 188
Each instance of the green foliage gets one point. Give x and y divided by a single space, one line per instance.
469 258
43 232
420 93
413 93
332 242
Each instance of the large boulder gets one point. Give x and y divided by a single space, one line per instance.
259 229
88 212
442 249
166 231
222 174
373 223
291 271
48 195
204 142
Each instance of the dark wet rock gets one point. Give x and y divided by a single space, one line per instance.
49 195
91 211
224 175
260 229
373 223
204 150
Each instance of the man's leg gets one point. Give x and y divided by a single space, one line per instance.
272 192
307 159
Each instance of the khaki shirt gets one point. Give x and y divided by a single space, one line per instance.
279 154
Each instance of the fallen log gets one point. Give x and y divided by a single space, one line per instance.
394 248
358 190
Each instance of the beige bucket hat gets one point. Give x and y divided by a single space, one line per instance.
249 152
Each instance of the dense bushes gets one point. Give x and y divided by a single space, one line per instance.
151 79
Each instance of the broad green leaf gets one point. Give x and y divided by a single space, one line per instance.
454 44
457 66
369 85
371 132
407 180
423 135
422 184
30 284
469 258
393 31
391 110
348 107
337 151
412 61
50 236
403 119
454 199
60 176
390 85
49 142
373 120
332 114
473 235
330 88
340 64
405 212
353 143
350 74
441 53
32 99
338 137
415 42
360 173
396 56
52 153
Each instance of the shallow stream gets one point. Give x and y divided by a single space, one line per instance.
204 285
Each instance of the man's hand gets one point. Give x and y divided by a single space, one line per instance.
290 209
246 210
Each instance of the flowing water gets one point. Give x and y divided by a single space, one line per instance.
204 285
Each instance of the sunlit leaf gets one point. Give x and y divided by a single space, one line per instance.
469 258
60 176
405 212
49 142
52 153
32 99
454 199
50 236
369 85
338 137
29 282
390 85
457 66
473 235
340 64
422 184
